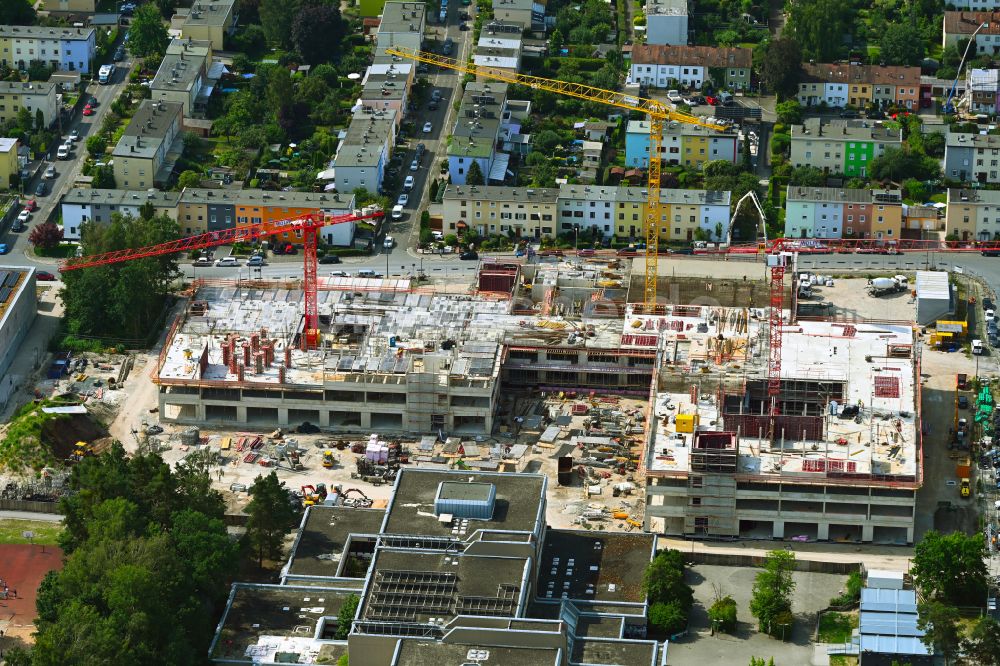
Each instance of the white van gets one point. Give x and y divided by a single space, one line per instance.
397 212
62 152
408 184
228 261
368 273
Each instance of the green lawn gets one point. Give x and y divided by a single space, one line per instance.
843 660
837 627
46 533
63 251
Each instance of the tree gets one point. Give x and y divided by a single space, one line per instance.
475 175
820 26
276 16
915 189
17 12
272 516
900 46
39 120
781 67
97 145
722 613
789 112
314 29
807 176
147 33
746 159
896 163
940 623
46 236
772 590
345 618
120 300
667 619
950 568
546 141
982 646
934 143
104 178
188 179
556 41
39 71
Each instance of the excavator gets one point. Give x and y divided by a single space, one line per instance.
312 495
328 459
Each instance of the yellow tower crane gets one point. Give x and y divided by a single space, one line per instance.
658 112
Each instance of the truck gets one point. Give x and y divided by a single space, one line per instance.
977 347
105 74
888 285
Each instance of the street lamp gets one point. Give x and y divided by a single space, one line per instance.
576 236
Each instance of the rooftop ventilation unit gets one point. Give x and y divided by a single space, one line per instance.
466 500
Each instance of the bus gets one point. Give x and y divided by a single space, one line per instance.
105 74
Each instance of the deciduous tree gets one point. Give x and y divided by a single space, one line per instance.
950 568
147 34
819 26
900 45
345 618
97 145
188 179
939 622
982 646
46 236
772 591
17 12
314 29
781 66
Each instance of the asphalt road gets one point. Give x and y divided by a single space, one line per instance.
66 170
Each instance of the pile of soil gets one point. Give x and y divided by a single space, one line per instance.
61 434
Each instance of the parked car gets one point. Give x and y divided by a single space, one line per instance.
227 261
24 216
30 205
4 249
45 276
42 189
463 26
368 273
202 261
436 95
403 199
711 100
415 164
62 152
428 128
469 255
674 96
50 172
464 16
408 183
256 260
389 242
340 274
850 114
74 135
963 402
397 212
88 110
329 259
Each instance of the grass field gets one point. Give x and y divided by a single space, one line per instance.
836 627
843 660
46 533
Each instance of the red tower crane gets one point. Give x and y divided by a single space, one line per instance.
306 225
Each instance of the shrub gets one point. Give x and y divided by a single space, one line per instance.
667 618
722 614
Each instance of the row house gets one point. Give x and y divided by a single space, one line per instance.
972 157
528 14
402 25
70 49
501 55
199 211
959 25
147 152
386 86
620 211
973 214
830 212
844 84
841 147
34 96
665 66
79 206
206 20
485 120
683 144
183 75
491 209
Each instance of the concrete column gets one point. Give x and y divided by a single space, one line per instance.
201 410
823 531
909 534
366 420
241 414
282 416
868 532
778 531
324 418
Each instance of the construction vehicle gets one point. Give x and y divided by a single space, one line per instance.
305 226
658 112
965 488
886 285
313 494
361 502
328 459
80 451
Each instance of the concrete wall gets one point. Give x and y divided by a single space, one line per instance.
16 320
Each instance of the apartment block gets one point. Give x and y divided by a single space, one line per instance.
959 25
972 157
146 154
683 144
621 211
387 86
843 84
829 212
482 115
402 25
18 309
501 55
841 146
667 22
364 149
71 49
80 206
207 20
525 212
460 568
973 214
182 78
662 66
528 14
8 161
34 96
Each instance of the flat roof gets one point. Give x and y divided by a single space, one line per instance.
667 7
261 620
414 652
607 651
594 566
13 282
518 505
933 284
413 586
465 490
178 72
148 129
91 197
323 535
43 32
28 88
402 17
365 139
478 120
966 140
961 196
599 626
210 12
189 46
674 128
